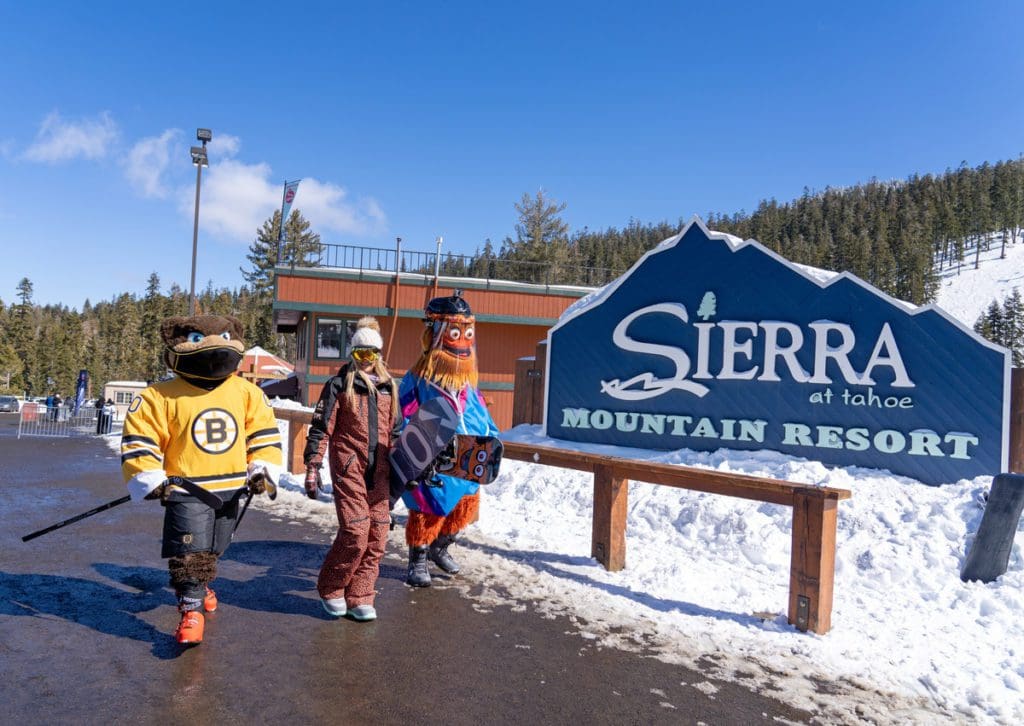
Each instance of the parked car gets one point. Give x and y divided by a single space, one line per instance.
9 404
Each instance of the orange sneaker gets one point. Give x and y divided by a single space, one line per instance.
190 629
210 601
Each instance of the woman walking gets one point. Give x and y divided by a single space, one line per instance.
354 421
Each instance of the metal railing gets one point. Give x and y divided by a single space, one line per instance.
38 419
452 265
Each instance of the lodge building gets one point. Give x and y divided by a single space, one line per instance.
321 305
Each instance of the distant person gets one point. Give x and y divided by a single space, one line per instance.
104 415
49 405
354 422
99 416
56 403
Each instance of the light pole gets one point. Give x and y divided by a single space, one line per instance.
200 160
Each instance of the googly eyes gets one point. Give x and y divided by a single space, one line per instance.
197 337
456 333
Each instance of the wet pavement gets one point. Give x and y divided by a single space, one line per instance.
86 619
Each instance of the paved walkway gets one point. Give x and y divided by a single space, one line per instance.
86 619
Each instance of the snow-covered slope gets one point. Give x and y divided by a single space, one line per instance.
967 293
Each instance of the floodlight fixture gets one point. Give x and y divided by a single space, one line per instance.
199 157
204 135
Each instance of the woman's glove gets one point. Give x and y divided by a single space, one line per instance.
313 482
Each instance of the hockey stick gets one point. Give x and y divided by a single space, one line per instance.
248 501
72 520
208 498
271 490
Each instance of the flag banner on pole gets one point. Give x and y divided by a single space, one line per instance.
290 189
83 382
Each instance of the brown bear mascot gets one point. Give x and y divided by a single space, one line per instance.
197 442
440 506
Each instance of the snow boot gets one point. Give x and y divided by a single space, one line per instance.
438 554
210 601
190 629
419 575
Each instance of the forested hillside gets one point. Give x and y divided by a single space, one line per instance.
897 235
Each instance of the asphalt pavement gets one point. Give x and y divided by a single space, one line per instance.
87 617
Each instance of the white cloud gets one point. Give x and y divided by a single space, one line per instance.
59 140
327 207
148 161
237 198
224 146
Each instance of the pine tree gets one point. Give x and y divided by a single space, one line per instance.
126 339
990 323
1013 326
152 312
301 249
10 369
541 238
23 334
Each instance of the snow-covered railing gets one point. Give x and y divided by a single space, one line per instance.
813 556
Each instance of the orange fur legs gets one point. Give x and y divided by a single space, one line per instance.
422 529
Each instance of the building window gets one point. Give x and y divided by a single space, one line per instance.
123 397
330 338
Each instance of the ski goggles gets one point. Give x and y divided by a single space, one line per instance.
365 355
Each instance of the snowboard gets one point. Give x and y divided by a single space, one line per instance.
474 458
426 435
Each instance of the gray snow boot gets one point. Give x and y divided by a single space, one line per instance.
419 575
438 554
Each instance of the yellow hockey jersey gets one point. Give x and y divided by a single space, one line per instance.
211 437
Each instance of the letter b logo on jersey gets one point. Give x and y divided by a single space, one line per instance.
214 431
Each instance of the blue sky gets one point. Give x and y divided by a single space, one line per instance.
421 120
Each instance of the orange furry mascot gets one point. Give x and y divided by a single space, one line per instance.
441 506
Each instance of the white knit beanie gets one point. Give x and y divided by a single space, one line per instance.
367 334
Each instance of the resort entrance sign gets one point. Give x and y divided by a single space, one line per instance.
709 342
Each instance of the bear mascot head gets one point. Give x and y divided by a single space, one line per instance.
203 349
449 343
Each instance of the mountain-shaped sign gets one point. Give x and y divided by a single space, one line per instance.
711 342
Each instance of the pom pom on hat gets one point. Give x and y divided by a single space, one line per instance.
367 334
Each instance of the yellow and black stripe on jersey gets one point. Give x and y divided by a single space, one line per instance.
210 437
